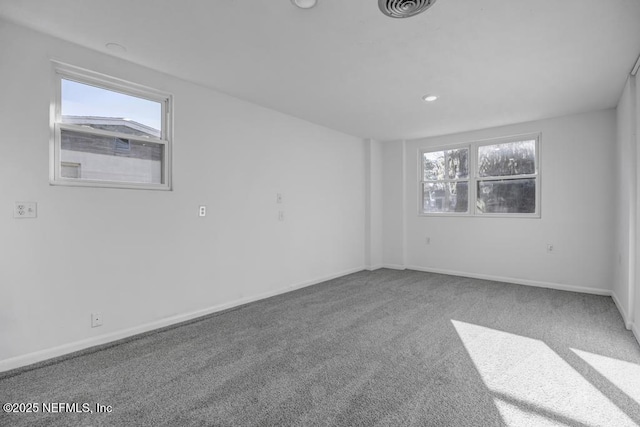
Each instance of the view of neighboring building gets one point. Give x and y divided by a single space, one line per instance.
106 158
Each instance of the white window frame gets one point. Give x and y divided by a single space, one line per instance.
475 178
468 180
68 72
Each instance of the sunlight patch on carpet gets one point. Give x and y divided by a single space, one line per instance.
624 375
531 382
515 415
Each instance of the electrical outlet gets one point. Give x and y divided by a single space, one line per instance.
278 198
25 210
202 211
549 248
96 320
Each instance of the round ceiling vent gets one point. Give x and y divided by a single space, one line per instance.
304 4
404 8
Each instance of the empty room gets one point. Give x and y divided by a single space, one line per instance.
320 213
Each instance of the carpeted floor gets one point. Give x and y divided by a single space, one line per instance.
385 348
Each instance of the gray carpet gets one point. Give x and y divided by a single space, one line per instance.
373 348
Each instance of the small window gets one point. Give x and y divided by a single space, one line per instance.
488 178
122 145
109 133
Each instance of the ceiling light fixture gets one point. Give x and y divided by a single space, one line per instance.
115 48
429 98
404 8
304 4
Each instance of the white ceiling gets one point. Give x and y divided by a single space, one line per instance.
345 65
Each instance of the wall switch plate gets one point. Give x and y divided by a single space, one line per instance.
279 198
202 211
25 210
96 320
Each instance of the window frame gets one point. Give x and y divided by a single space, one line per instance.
422 181
63 71
475 178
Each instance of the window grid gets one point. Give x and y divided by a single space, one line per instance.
474 179
162 140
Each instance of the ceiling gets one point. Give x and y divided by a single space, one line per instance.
345 65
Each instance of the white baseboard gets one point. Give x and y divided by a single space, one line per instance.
623 312
636 331
394 266
49 353
389 266
550 285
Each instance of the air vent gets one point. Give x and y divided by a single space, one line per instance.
404 8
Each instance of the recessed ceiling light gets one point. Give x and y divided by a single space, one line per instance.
429 98
115 47
304 4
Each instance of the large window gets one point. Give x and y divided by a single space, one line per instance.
109 133
488 178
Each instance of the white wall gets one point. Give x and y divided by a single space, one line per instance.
635 290
625 243
393 205
373 210
141 257
578 212
626 289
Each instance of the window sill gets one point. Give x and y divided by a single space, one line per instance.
470 215
109 184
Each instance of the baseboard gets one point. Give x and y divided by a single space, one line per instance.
550 285
636 331
389 266
623 312
394 266
66 349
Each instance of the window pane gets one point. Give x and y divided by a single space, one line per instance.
99 108
445 197
102 158
507 196
508 159
448 164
